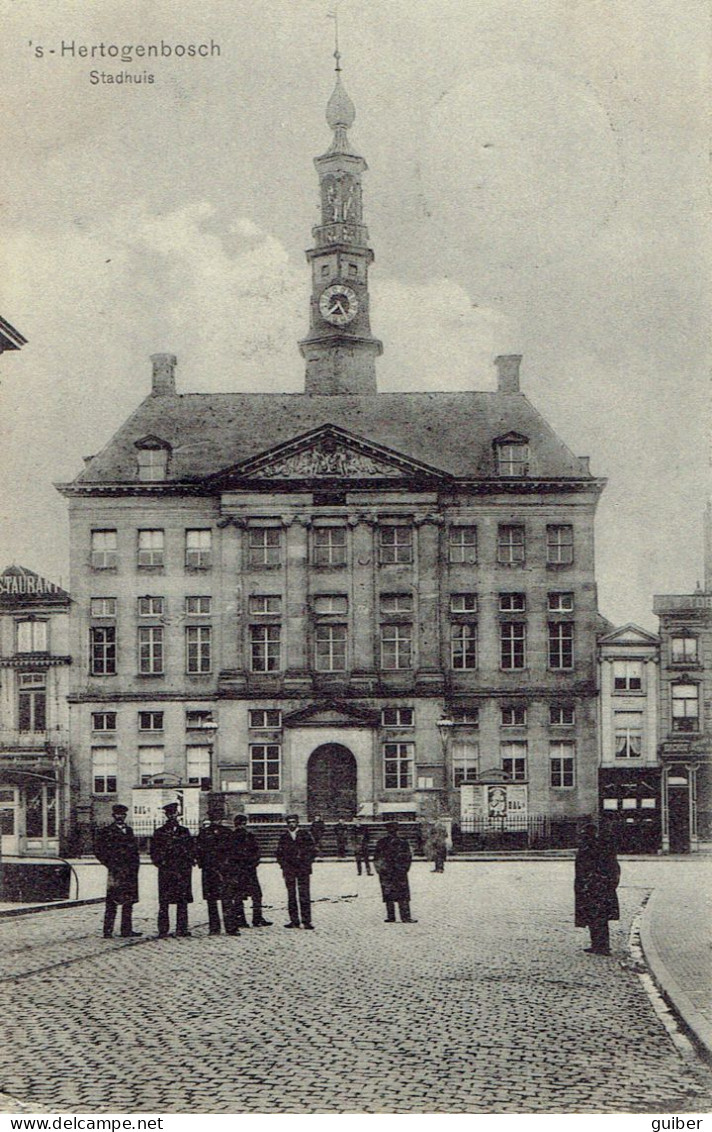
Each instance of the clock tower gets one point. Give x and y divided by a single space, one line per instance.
339 350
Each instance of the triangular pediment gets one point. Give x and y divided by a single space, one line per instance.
329 453
511 438
629 634
332 713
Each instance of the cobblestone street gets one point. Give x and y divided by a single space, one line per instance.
487 1005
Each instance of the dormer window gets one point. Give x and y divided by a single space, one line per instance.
512 455
152 457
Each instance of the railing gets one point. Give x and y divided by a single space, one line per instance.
34 740
536 831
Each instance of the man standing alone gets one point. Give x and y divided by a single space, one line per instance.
295 853
172 853
117 849
392 858
597 873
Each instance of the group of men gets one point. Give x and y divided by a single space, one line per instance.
228 860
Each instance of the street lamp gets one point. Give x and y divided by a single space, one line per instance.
444 726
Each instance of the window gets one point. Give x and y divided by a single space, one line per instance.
463 603
465 762
103 769
683 650
329 546
264 546
32 701
102 643
395 646
103 721
198 605
513 716
561 644
464 645
513 644
395 545
469 716
627 676
261 718
198 720
32 636
685 707
628 734
398 766
560 545
330 648
512 458
265 648
150 606
326 604
151 765
150 650
265 605
561 603
397 717
511 548
396 604
103 607
265 763
198 649
150 721
152 464
512 603
462 545
514 760
198 761
562 759
562 715
150 548
104 554
199 549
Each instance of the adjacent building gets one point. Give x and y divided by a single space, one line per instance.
339 601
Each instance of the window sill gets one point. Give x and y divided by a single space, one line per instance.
150 675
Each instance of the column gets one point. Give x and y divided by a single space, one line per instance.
429 676
296 660
363 573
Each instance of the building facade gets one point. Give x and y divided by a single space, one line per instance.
341 601
34 744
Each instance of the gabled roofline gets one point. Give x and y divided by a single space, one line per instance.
613 637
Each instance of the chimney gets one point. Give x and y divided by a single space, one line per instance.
164 378
508 372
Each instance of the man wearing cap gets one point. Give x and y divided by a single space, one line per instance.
116 847
295 853
213 847
246 858
173 854
392 858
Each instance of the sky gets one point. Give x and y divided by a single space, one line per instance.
537 184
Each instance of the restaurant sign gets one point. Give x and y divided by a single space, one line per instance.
18 586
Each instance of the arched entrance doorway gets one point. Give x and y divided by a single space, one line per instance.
331 783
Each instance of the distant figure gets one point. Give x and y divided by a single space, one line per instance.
340 835
317 830
117 849
597 873
213 847
295 854
246 855
362 847
172 852
436 844
392 858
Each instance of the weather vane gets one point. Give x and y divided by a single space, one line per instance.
334 15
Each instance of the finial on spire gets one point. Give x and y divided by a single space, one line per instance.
340 110
335 17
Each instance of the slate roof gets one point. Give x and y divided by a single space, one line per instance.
453 432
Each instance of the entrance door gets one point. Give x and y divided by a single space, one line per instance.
331 783
9 821
679 819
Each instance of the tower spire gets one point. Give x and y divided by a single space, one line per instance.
340 350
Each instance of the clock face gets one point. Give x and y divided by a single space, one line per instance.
338 304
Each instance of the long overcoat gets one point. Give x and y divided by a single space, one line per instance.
392 858
116 847
295 855
213 851
173 853
596 876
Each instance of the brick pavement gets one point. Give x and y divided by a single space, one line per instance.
487 1005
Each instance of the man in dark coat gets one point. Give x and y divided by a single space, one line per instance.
318 831
392 858
340 835
597 873
213 850
116 848
172 852
362 847
295 853
246 858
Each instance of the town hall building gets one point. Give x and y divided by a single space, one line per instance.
338 602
